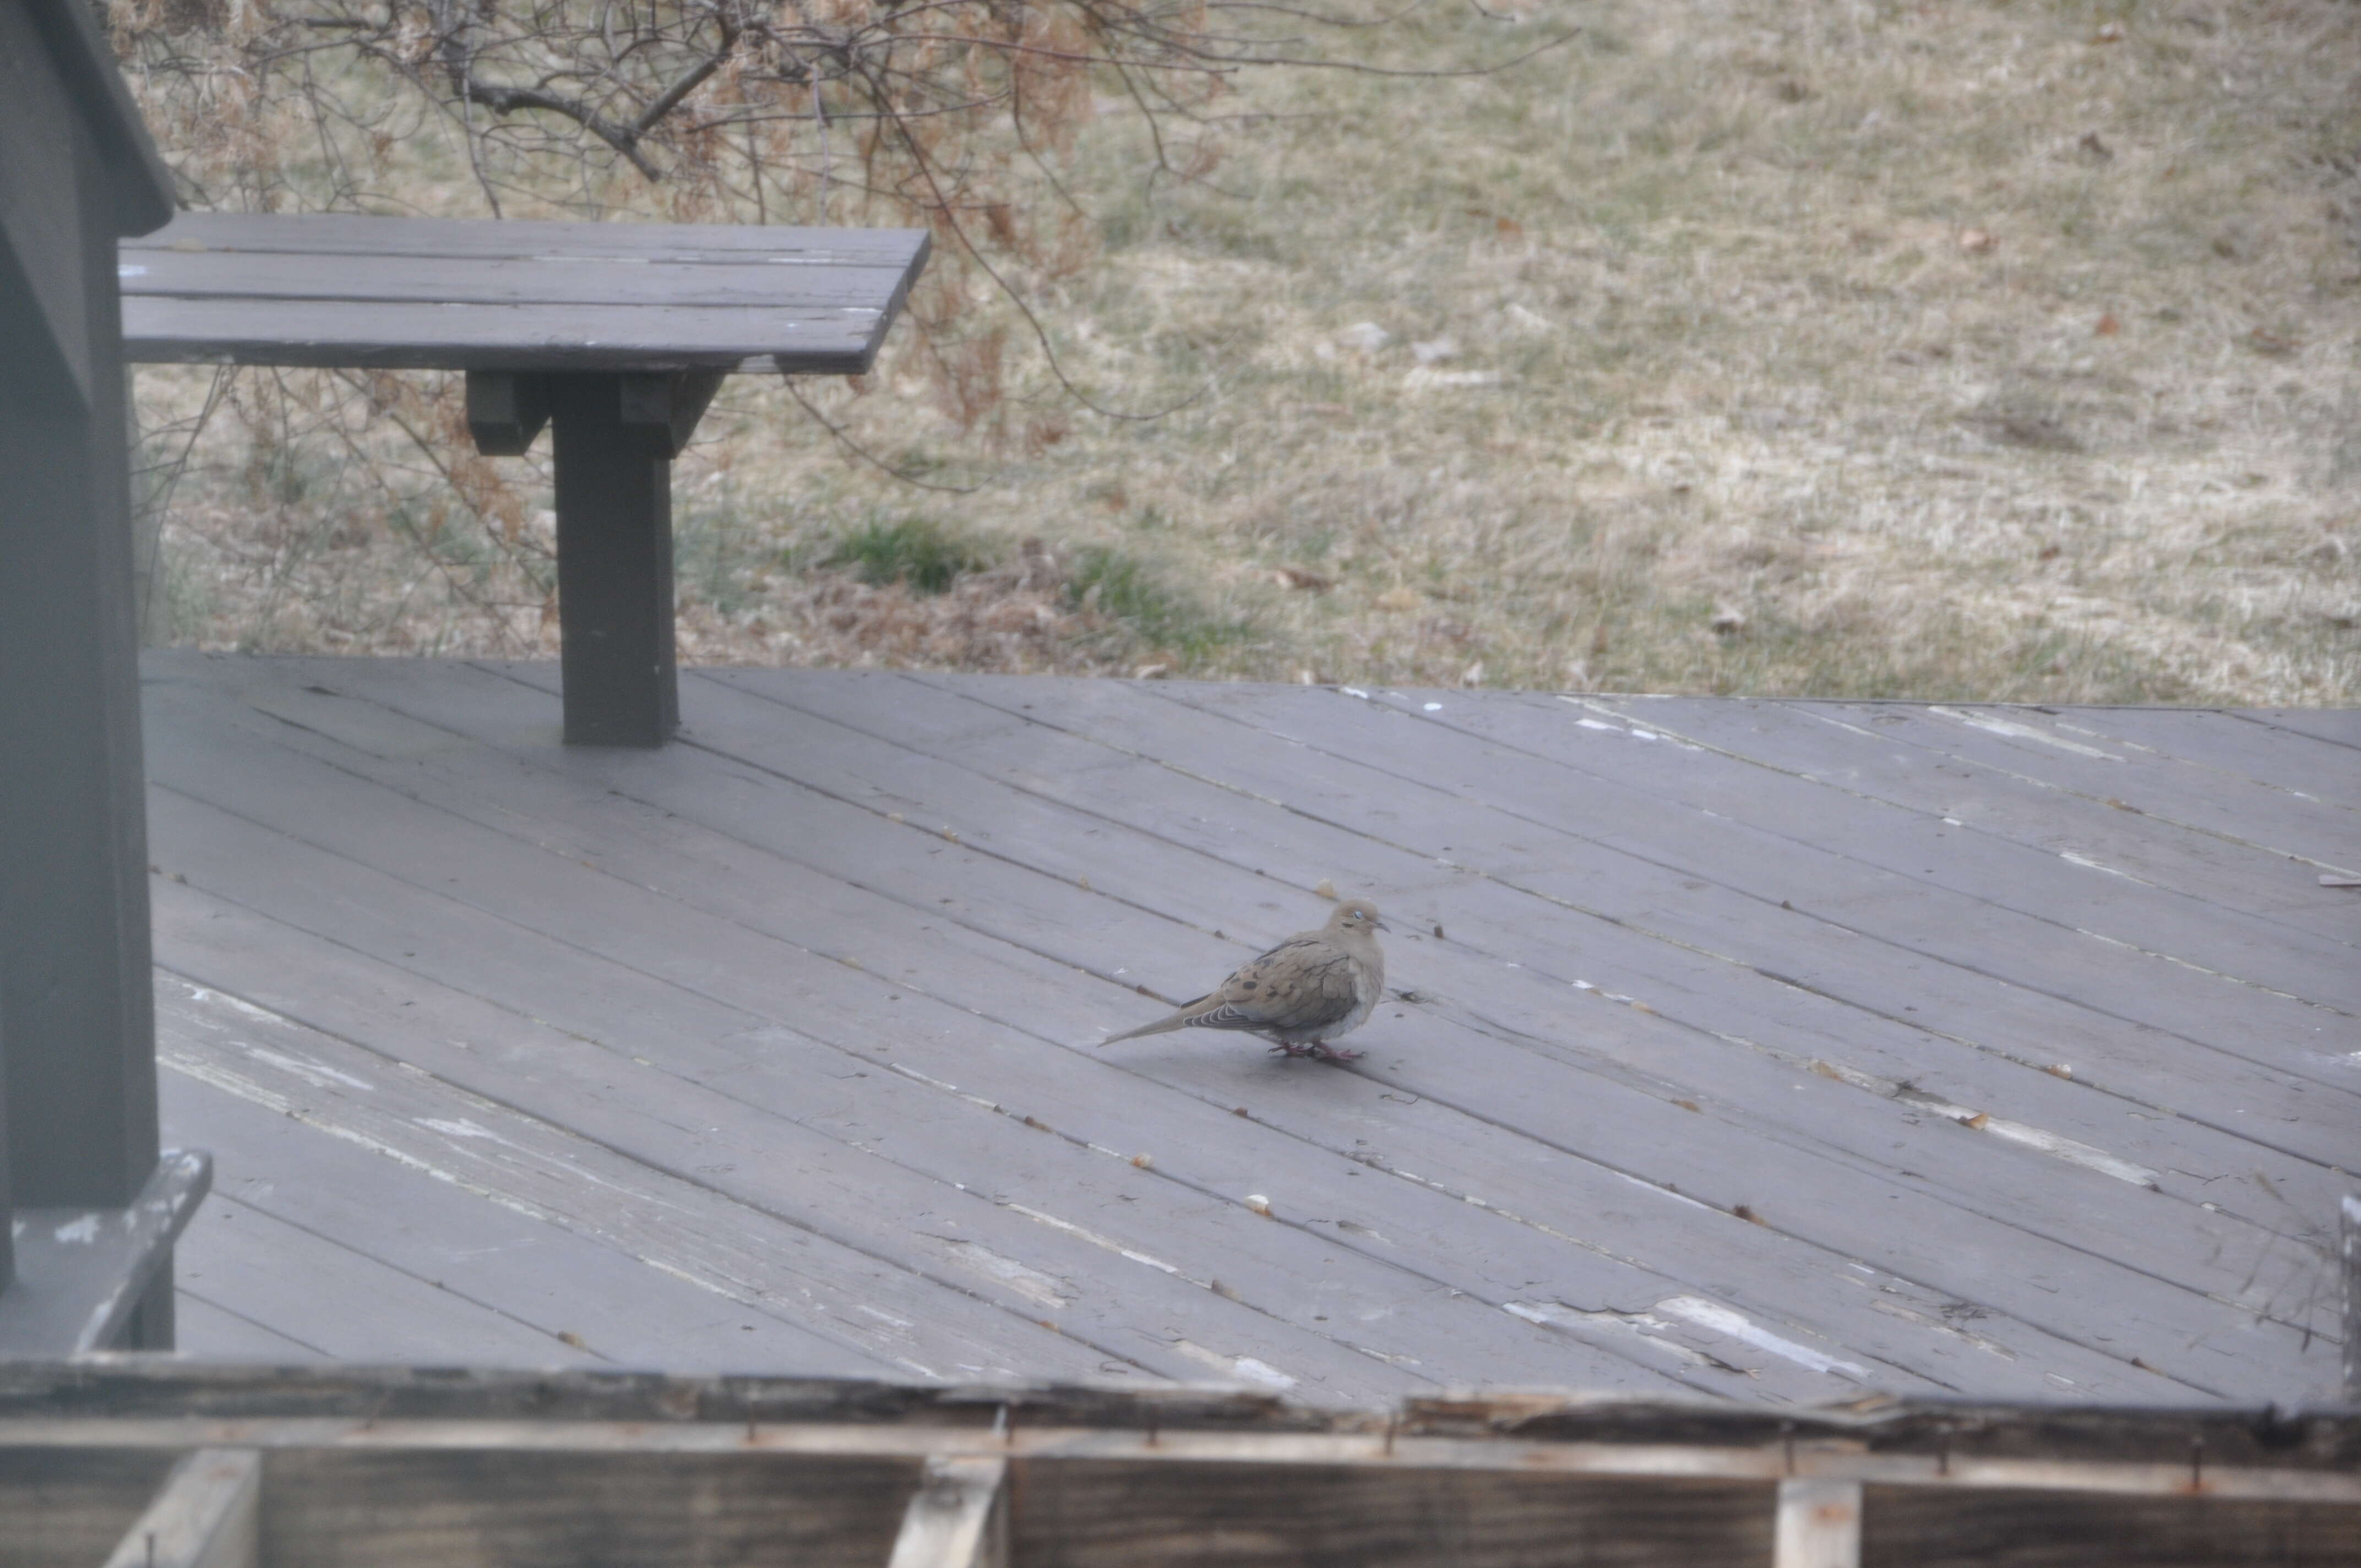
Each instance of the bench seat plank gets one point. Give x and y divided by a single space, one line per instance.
740 287
329 333
345 233
462 295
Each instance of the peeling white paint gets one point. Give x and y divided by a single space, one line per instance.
1242 1366
915 1075
1653 1189
319 1075
2087 864
1641 1325
2016 731
461 1128
1895 1309
2199 968
2055 1145
1041 1289
1737 1325
199 994
1109 1243
1262 1372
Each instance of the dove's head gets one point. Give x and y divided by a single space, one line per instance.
1357 914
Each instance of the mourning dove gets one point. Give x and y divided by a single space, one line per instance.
1302 994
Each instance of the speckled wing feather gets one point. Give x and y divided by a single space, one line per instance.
1303 985
1308 990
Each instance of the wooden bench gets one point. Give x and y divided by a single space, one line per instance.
616 335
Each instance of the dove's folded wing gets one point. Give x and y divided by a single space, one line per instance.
1301 984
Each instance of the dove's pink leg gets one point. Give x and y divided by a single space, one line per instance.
1316 1051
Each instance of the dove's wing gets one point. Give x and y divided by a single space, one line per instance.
1302 984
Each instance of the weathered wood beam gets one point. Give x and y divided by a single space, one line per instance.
1819 1524
207 1515
959 1517
1051 1445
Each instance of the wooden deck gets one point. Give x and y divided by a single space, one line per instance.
1776 1050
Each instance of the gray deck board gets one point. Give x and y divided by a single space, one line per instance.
2030 745
2190 917
2339 727
1641 910
766 1156
2277 757
1884 1218
1566 825
1514 1185
432 1178
1623 896
1817 742
207 1333
1202 1131
799 1017
351 1304
675 1222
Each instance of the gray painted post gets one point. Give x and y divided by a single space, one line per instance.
615 436
77 172
7 1210
614 569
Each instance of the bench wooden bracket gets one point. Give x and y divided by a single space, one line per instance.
505 409
668 407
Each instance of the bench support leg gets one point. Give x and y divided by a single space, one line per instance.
614 567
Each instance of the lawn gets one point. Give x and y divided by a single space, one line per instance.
1952 350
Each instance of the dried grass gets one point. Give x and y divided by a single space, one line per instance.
2003 351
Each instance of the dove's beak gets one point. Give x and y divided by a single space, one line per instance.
1381 925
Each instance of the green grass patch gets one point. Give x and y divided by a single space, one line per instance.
1123 588
915 551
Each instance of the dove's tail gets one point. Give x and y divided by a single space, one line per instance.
1163 1026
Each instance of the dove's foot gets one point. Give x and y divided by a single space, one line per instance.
1316 1051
